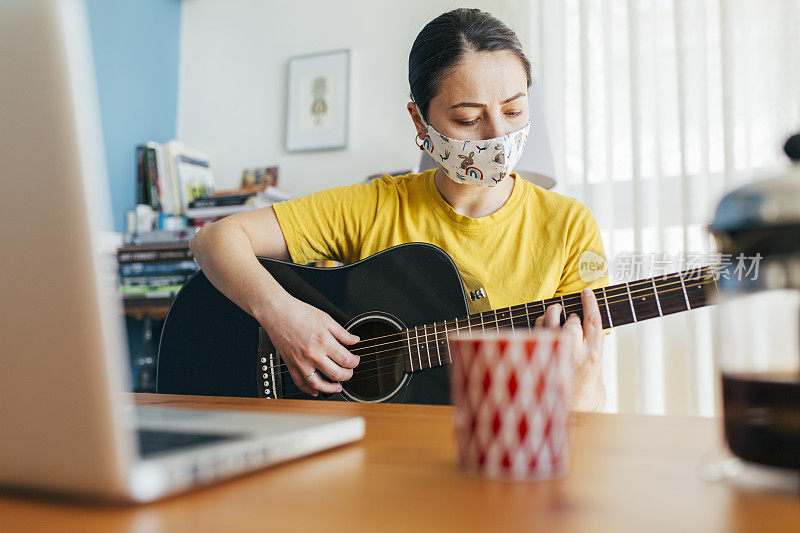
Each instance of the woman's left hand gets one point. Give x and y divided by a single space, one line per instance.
588 391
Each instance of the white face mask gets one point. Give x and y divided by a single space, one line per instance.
482 163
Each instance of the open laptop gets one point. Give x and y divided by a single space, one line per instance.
64 423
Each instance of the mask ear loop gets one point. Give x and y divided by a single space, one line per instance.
421 142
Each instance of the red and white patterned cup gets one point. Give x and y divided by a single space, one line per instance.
511 393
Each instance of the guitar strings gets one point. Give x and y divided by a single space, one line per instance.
423 331
418 342
574 301
392 358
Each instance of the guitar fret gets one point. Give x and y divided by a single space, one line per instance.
630 301
619 304
563 308
671 295
447 341
408 340
444 341
505 321
480 315
608 312
511 318
436 339
645 304
427 346
527 315
697 291
655 293
685 296
416 339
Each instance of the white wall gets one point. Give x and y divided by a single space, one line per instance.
232 85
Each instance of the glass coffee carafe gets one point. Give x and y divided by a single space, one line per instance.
757 230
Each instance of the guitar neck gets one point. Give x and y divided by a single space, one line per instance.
427 347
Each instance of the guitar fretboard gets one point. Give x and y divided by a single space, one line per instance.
427 347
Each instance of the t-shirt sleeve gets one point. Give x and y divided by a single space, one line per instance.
585 263
329 224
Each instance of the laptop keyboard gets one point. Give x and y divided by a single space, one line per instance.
152 442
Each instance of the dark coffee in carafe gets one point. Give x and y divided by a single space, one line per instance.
762 417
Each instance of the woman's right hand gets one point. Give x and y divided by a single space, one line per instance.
310 342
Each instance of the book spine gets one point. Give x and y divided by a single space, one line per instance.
154 256
159 269
164 187
152 179
159 236
218 201
153 281
141 177
164 291
172 177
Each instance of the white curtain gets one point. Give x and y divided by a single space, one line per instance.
655 107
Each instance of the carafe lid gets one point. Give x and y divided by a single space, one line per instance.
760 222
763 203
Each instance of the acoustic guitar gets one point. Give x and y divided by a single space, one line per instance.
402 302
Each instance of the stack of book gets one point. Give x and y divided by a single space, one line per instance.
155 264
176 180
218 204
171 176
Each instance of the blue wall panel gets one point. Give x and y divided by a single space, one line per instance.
136 54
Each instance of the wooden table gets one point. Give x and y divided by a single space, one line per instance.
629 473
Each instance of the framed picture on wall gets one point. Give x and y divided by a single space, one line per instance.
317 101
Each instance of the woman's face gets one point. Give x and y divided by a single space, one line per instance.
483 97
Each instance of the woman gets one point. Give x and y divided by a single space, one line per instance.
512 242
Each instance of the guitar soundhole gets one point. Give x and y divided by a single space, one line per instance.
382 367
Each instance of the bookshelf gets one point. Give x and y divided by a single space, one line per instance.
155 308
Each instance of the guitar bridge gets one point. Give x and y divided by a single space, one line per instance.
269 368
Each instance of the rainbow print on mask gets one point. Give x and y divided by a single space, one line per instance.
475 173
427 144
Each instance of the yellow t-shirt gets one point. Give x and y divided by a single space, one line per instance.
528 250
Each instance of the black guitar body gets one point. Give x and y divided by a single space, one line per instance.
209 346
